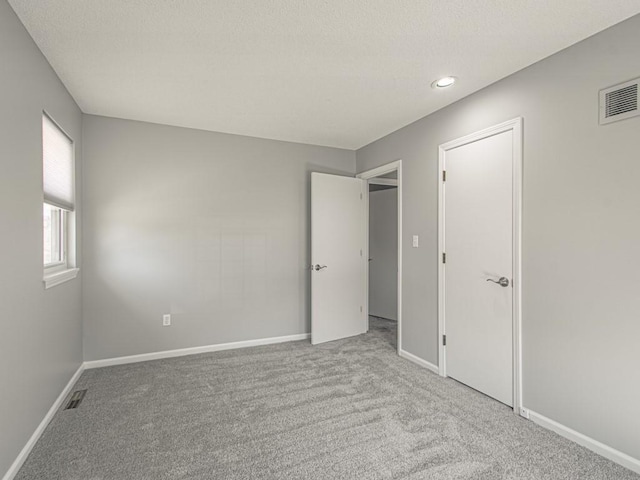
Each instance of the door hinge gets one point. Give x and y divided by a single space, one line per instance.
360 196
444 340
444 175
360 252
361 309
444 257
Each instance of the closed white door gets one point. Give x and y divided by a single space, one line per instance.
337 248
478 242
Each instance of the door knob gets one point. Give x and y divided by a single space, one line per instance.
502 281
318 267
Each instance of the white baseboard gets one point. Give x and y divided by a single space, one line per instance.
26 450
419 361
144 357
600 448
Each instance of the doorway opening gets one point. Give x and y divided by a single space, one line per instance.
383 257
383 232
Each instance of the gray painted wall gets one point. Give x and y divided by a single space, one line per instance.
581 232
40 343
383 251
209 227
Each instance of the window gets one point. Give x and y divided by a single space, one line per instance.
54 238
58 206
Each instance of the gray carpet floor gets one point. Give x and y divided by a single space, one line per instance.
350 409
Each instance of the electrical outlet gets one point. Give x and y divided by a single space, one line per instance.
166 320
416 241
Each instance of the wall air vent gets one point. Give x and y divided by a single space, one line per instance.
619 102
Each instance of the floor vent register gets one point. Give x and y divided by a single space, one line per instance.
75 400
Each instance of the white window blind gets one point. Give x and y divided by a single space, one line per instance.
57 153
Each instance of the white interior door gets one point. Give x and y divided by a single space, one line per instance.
478 241
337 248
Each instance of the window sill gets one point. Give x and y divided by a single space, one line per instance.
53 279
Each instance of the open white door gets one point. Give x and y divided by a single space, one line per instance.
337 249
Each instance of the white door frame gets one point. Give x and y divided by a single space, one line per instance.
370 175
514 126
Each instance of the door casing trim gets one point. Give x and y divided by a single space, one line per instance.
516 126
368 175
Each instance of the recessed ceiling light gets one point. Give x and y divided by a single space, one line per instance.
444 82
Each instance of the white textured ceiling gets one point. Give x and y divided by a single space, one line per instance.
329 72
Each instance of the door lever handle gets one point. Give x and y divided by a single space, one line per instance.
318 267
502 281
